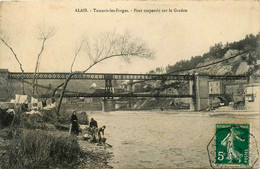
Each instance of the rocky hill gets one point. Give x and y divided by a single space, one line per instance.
237 58
232 63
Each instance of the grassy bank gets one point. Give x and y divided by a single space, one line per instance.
33 142
40 149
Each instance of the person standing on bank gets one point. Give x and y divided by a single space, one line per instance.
74 124
93 128
93 123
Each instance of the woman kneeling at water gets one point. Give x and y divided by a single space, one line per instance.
101 132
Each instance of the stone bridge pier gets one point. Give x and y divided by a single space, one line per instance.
199 88
108 105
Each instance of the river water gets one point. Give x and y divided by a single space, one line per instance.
156 139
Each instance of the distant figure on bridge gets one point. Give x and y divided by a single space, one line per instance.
74 124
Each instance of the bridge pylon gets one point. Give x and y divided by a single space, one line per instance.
108 88
202 92
199 88
108 102
192 92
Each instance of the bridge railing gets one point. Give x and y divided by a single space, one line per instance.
128 95
229 77
117 76
100 76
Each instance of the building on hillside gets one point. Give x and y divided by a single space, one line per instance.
215 87
252 98
89 100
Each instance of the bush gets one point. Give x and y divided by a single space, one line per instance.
34 121
6 118
64 149
49 115
38 149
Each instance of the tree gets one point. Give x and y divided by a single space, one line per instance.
216 50
159 70
43 36
104 47
2 38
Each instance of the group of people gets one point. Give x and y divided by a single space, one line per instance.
96 134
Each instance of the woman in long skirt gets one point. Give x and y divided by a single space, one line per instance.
75 125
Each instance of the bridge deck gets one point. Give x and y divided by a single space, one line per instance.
127 95
100 76
117 76
136 95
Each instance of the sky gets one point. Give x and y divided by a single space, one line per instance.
173 35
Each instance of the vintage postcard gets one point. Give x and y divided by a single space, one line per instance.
129 84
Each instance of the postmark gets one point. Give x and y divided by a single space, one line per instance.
232 146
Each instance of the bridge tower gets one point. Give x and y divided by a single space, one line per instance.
131 85
192 92
200 89
107 103
108 88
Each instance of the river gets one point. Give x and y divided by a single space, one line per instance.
162 139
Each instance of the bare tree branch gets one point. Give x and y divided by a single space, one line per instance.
107 47
56 89
46 33
43 36
20 65
88 51
13 53
77 50
99 52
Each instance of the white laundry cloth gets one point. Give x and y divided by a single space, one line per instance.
21 98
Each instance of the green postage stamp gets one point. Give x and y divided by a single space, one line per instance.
232 144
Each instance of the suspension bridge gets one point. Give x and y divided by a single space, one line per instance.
198 84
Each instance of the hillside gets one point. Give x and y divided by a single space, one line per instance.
230 65
236 58
227 58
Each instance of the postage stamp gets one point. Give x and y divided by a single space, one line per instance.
232 144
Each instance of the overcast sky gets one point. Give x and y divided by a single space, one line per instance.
174 36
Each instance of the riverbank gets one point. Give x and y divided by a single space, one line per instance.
97 156
121 132
92 154
55 149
